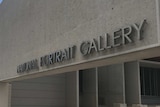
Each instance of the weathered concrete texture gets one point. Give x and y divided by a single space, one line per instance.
30 29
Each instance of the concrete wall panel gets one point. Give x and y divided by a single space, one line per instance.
30 29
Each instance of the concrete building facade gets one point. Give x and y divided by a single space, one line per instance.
79 53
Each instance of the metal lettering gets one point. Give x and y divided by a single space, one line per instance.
68 53
125 34
36 64
28 66
93 46
71 52
107 46
42 61
64 55
121 36
100 47
139 28
58 55
116 36
84 48
50 59
54 58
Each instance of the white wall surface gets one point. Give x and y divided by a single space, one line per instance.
30 29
